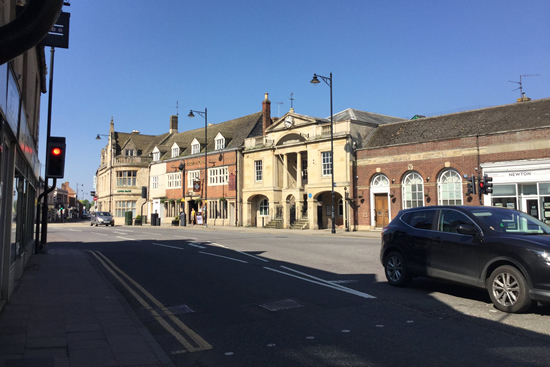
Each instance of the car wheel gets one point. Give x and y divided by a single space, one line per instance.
396 271
508 290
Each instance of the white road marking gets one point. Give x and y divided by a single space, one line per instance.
129 239
225 257
186 237
319 279
160 244
325 284
101 234
195 245
119 232
256 257
217 244
75 230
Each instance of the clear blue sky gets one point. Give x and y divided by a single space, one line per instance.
134 59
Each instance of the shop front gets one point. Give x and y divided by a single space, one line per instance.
521 185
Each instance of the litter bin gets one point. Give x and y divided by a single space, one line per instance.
154 218
183 219
158 221
128 218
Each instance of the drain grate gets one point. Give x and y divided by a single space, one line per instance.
285 304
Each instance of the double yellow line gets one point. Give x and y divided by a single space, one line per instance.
195 342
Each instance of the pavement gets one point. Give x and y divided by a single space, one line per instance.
63 312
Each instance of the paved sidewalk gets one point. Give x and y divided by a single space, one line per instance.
64 313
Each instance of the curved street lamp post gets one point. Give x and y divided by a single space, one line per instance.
205 115
328 81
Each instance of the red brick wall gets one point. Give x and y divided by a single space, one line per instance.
432 167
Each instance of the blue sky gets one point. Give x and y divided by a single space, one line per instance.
133 60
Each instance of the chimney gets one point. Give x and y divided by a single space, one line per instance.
174 124
266 113
523 98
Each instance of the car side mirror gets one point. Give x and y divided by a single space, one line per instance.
466 229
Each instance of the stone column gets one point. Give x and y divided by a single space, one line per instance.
285 172
299 170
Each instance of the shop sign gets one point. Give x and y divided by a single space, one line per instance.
520 176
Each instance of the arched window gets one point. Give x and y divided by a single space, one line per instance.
264 207
413 191
341 208
380 180
449 188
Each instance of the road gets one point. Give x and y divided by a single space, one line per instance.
215 297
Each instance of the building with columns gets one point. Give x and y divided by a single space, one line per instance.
288 169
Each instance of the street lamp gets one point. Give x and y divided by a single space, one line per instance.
98 137
181 167
328 81
205 115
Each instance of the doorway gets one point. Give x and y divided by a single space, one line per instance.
532 207
381 212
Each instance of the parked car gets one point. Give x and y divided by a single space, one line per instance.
102 218
504 251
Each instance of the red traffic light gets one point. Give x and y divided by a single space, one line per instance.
56 151
481 184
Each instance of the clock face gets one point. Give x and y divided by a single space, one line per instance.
289 121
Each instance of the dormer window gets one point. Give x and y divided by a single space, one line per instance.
129 152
156 154
175 151
195 147
220 142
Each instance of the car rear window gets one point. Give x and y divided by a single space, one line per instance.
421 219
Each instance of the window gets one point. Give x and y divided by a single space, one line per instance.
258 170
413 191
174 180
175 151
218 176
264 207
193 176
155 182
195 148
450 219
220 143
380 181
122 207
126 178
327 163
421 219
449 188
129 152
156 156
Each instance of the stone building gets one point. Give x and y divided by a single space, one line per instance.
289 168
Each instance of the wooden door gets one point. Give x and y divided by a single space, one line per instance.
381 213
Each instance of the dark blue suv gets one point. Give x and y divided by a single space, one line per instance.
504 251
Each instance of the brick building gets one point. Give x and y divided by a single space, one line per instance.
423 162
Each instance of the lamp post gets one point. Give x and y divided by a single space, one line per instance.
205 115
181 167
328 81
98 137
76 200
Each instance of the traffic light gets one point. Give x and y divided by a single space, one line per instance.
471 185
487 184
55 157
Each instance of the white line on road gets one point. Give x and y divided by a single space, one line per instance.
323 283
129 239
195 245
312 277
119 232
225 257
101 234
256 257
160 244
75 230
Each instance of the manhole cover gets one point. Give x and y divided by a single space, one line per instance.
285 304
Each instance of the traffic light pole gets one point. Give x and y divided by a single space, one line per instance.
44 237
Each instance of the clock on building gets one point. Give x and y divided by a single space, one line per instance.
289 121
